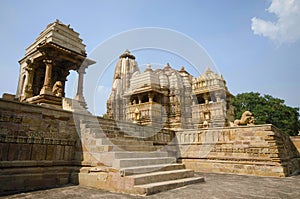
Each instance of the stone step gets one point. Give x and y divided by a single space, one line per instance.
151 168
96 133
134 162
156 187
117 148
129 148
120 141
107 157
126 155
103 126
121 148
160 176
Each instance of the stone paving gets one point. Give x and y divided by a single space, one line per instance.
216 186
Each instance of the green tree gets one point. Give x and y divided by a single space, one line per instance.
268 110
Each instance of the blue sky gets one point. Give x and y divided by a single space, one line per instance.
254 44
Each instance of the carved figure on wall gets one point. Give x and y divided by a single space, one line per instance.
57 89
137 115
205 124
246 119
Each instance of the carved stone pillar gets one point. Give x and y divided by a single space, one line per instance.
206 98
150 96
79 95
28 91
47 81
218 96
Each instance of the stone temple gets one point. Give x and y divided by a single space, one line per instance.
174 98
161 126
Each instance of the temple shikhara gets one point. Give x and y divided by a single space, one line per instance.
161 126
169 96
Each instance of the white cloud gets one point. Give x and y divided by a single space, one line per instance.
287 28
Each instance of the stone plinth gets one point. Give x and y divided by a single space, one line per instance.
261 150
48 100
38 147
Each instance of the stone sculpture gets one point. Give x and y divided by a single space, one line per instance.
57 89
246 119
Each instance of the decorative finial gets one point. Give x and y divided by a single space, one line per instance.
127 54
208 70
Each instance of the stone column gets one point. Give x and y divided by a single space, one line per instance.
206 98
47 81
150 96
28 92
79 95
218 96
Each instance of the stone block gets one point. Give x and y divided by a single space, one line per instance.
4 151
11 183
68 153
50 152
14 151
25 152
59 152
38 152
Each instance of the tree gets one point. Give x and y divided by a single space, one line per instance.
268 110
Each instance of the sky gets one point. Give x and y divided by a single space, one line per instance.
254 44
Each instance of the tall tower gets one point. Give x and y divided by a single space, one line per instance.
125 67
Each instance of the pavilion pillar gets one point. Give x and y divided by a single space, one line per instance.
47 80
28 92
79 95
150 96
206 98
140 99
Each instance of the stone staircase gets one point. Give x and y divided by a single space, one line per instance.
133 164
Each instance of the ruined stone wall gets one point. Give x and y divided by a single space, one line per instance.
255 150
39 147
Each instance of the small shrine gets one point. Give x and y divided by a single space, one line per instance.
47 63
211 106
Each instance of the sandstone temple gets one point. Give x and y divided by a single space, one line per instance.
161 126
174 98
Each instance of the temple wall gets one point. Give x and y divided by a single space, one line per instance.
261 150
39 147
